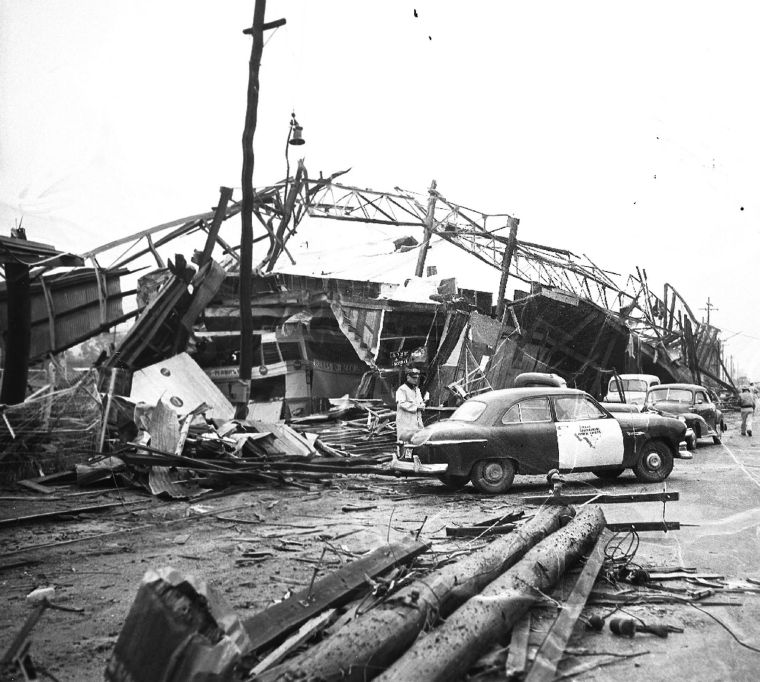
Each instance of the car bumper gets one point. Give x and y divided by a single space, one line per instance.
683 446
411 466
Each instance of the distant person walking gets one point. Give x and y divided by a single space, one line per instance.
747 405
409 406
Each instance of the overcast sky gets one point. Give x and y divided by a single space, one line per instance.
626 131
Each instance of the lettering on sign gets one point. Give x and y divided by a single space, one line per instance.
589 433
400 357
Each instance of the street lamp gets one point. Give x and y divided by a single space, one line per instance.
295 136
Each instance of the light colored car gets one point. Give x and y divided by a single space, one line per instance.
633 386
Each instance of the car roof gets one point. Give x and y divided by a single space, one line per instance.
636 376
523 392
689 386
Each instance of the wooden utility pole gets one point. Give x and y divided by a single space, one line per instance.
708 307
246 214
429 223
506 264
19 336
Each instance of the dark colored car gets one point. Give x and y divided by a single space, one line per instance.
691 402
495 435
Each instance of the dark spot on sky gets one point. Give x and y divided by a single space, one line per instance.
415 13
741 208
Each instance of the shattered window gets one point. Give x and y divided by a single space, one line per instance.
270 353
290 351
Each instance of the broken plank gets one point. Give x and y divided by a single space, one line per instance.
33 518
333 590
645 525
478 531
550 652
38 488
600 498
500 520
517 658
305 632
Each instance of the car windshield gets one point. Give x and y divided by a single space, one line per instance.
676 395
628 385
469 411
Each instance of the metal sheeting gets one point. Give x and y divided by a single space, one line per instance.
182 384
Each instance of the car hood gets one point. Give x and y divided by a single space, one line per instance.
449 430
634 420
671 406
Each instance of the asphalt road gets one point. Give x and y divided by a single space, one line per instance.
719 493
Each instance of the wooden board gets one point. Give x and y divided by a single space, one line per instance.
600 499
333 590
478 531
551 650
639 526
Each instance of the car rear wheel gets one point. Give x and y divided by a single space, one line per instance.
608 474
655 462
453 481
493 475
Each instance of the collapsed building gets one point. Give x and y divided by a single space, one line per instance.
315 339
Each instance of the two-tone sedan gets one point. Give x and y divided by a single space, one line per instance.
495 435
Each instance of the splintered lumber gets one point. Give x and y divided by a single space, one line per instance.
367 645
449 651
644 525
517 657
46 516
478 531
333 590
305 632
598 498
550 652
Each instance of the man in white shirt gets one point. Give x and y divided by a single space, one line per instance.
409 406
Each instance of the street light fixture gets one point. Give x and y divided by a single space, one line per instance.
295 136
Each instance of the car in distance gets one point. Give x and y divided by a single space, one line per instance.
495 435
633 386
693 403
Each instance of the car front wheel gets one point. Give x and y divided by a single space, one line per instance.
493 475
655 462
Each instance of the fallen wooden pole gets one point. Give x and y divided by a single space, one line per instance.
447 652
367 645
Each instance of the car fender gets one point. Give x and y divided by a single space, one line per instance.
704 428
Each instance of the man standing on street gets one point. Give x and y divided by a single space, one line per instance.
747 405
409 406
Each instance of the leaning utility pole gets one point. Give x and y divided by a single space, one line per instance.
429 225
506 264
246 214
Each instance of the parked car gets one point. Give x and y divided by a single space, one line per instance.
495 435
691 402
633 386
